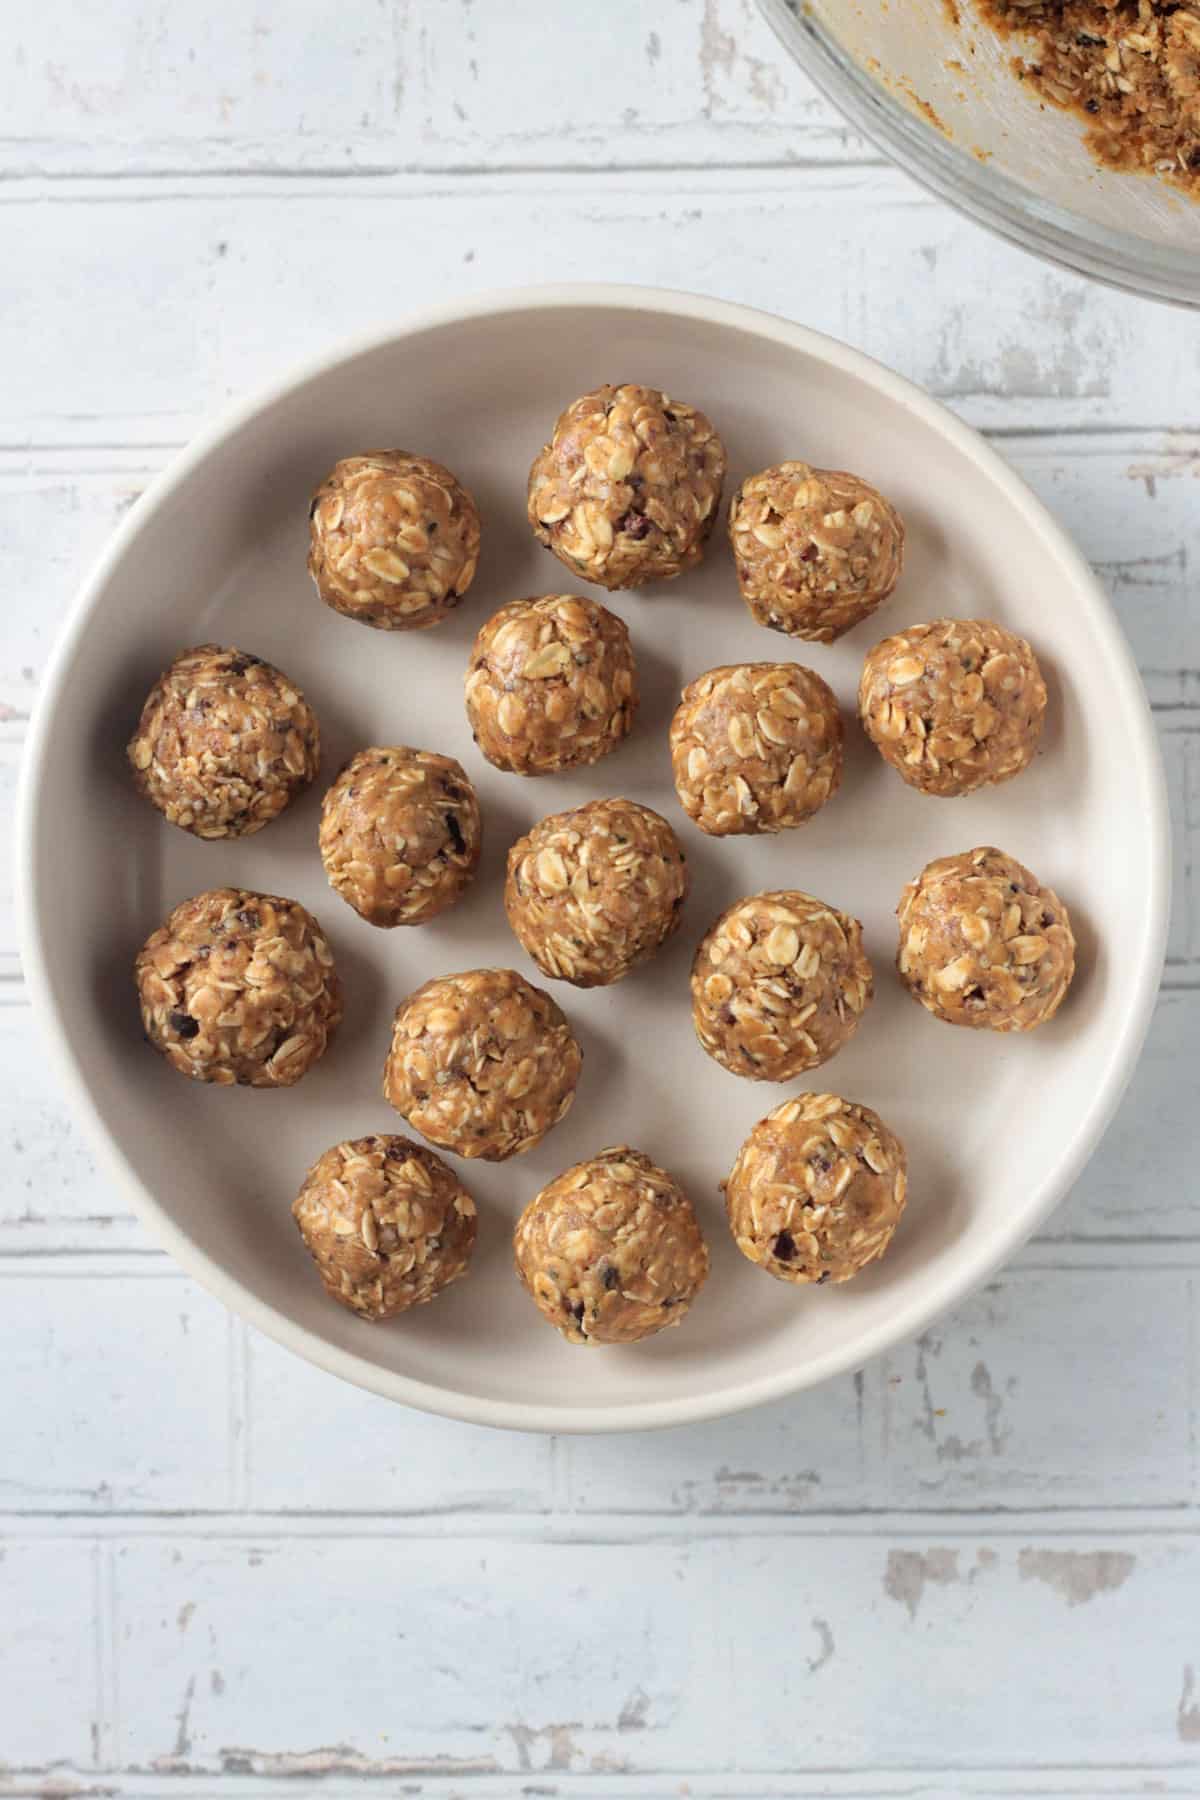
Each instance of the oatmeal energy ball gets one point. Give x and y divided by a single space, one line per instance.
626 492
394 540
755 747
779 984
817 1189
816 550
983 944
483 1063
239 987
595 891
224 743
551 684
954 705
611 1250
387 1224
400 834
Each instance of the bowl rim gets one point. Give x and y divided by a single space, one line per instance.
1119 259
966 1274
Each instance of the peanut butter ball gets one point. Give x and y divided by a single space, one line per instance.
482 1063
394 540
817 1190
224 743
953 706
982 943
816 550
611 1251
239 987
756 747
627 490
551 685
779 984
400 834
595 891
387 1224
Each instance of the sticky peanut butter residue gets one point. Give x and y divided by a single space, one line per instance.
1129 68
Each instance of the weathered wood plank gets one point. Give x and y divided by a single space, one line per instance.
1010 1400
48 1654
411 1657
404 1657
317 1445
50 1176
138 1370
405 86
699 81
810 1453
987 1784
1142 1181
1010 1643
224 286
1007 1403
145 86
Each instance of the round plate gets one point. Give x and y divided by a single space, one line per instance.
997 1128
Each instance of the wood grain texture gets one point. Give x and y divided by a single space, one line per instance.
973 1569
407 86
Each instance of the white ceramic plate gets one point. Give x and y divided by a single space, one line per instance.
997 1128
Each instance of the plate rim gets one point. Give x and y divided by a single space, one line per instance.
773 1384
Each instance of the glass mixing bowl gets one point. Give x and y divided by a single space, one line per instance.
941 99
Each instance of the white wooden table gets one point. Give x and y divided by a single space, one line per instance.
974 1569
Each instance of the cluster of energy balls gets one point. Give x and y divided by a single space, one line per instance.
241 987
